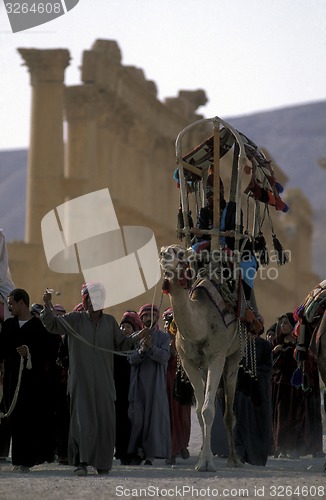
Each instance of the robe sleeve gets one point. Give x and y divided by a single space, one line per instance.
53 324
265 365
161 354
158 353
137 357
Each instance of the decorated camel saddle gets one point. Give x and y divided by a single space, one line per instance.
230 308
222 241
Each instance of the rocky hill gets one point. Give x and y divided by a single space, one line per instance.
295 137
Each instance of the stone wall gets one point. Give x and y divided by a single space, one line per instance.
120 136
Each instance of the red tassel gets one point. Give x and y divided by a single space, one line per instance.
166 287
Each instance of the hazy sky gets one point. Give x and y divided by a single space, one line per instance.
248 55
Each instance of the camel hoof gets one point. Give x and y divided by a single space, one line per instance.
205 467
235 462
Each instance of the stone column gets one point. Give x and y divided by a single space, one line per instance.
46 153
113 124
81 169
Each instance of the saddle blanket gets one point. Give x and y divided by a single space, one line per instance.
211 288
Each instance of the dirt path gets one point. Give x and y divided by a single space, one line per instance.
294 479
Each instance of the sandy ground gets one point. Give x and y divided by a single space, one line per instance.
281 478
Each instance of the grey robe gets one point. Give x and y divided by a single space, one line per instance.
91 386
253 429
148 403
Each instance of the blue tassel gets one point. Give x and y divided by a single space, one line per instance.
279 187
176 176
297 378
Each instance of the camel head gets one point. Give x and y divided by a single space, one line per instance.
174 260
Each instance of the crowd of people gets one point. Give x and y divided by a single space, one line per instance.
277 403
297 422
96 390
82 389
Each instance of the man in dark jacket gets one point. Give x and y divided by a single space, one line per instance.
27 350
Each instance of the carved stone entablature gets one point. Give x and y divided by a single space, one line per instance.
100 70
80 102
151 88
195 97
46 66
136 73
139 76
102 67
118 112
113 113
88 67
187 102
139 136
161 149
107 118
101 63
128 87
109 49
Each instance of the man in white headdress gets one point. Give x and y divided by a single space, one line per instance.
91 335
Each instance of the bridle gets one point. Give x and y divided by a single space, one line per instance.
181 269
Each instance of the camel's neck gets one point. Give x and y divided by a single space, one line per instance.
184 309
178 293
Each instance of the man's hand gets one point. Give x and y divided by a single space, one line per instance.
148 342
47 298
22 350
145 332
145 337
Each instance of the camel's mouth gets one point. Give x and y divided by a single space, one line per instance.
172 256
174 262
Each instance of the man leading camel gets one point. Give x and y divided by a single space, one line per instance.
90 384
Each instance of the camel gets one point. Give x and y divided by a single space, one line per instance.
320 332
313 337
312 312
321 352
207 348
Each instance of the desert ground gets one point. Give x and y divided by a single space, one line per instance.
281 478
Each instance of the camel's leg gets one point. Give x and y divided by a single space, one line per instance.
230 382
321 357
215 369
194 375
